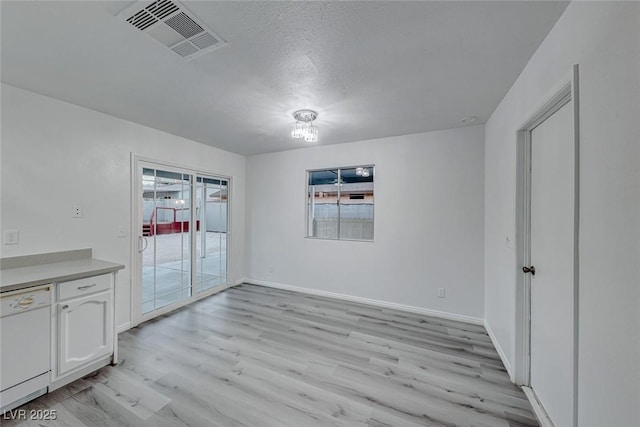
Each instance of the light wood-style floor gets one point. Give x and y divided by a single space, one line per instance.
255 356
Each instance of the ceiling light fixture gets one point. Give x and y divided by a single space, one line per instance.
304 127
468 120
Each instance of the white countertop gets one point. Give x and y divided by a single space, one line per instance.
26 277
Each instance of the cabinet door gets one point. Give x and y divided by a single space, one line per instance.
85 328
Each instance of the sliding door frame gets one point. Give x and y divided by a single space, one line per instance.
203 221
138 162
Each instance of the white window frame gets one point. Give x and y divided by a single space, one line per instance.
308 224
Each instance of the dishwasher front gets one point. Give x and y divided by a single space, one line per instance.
25 338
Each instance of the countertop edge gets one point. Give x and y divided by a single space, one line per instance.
80 274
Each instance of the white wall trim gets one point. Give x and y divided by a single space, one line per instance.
138 162
176 306
375 302
501 353
523 228
538 410
566 91
123 327
170 164
569 93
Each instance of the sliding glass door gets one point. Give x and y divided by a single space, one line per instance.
211 236
182 241
166 260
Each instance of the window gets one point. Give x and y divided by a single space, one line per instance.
340 203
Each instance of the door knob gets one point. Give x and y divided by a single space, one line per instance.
531 270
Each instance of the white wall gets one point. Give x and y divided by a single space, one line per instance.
56 154
428 222
604 39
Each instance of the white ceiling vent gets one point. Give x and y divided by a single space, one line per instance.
170 23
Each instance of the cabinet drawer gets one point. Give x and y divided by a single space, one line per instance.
86 286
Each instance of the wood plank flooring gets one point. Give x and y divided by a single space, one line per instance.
256 356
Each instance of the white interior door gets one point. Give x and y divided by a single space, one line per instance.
552 255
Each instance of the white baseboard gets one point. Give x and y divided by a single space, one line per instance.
124 327
538 410
501 353
169 309
378 303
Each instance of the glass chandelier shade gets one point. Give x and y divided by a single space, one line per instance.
311 134
297 131
304 128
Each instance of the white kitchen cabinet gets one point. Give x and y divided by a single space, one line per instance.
57 321
84 330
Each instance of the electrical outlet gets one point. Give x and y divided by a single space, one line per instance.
11 237
76 211
440 292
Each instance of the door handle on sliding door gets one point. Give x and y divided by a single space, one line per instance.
142 239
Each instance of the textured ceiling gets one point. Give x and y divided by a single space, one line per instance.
371 69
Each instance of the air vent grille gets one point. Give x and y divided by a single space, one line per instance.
170 23
184 25
184 49
204 41
142 20
162 8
